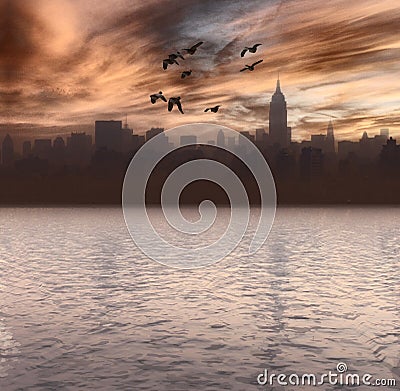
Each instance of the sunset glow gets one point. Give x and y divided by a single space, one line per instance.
67 62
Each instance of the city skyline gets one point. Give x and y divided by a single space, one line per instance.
312 167
278 133
66 64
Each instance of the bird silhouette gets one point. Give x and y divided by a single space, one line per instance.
155 97
251 67
176 55
185 74
251 49
212 109
169 61
175 101
193 49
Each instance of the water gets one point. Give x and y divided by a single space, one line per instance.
81 307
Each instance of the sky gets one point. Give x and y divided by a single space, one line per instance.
66 63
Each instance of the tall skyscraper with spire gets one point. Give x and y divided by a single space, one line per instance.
330 139
278 129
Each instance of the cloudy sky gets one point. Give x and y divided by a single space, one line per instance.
69 62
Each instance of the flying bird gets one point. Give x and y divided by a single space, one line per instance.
251 49
193 49
212 109
175 101
185 74
251 67
172 59
167 62
155 97
176 55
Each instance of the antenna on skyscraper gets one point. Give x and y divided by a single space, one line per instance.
278 83
126 121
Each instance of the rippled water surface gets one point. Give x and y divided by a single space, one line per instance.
81 307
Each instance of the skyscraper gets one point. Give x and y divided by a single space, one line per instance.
221 138
79 146
7 151
188 140
108 135
26 149
42 148
153 132
126 138
330 139
278 129
260 135
59 144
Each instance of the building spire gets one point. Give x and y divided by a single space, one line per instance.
329 132
278 84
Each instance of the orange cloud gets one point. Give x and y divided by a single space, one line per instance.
80 61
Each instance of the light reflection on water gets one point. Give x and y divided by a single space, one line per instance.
82 307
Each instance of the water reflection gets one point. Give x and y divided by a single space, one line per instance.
91 311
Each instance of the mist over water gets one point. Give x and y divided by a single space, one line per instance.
81 306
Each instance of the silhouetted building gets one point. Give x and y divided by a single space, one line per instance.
59 151
230 141
311 163
278 129
242 146
32 165
137 142
305 144
126 137
379 141
289 134
261 139
79 147
390 158
366 146
59 144
306 171
247 134
260 135
108 135
162 142
187 140
370 147
318 141
153 132
42 148
325 142
330 140
346 147
7 151
285 164
221 138
26 149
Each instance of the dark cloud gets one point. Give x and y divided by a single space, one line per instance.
21 34
342 45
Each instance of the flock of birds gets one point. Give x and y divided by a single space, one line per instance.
172 59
